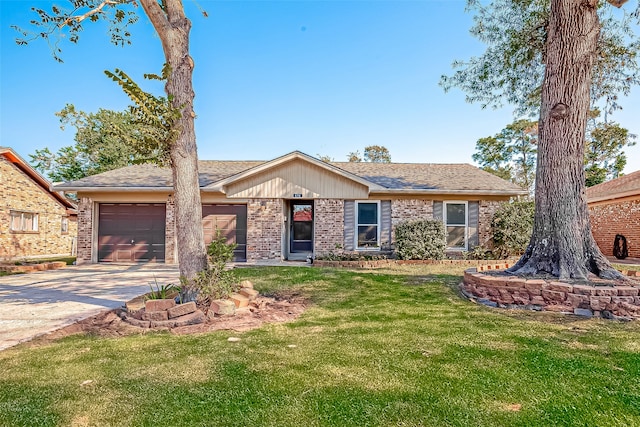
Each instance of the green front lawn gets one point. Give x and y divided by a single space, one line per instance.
392 348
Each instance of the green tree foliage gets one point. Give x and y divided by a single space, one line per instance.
420 239
372 153
104 140
377 154
511 69
604 158
511 154
354 157
512 225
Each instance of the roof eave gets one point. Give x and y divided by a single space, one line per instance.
614 196
75 189
453 192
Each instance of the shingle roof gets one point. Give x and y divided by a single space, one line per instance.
391 176
626 185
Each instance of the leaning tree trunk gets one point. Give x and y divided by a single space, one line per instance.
562 244
173 28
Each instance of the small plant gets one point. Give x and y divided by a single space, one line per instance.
478 253
162 291
421 239
217 281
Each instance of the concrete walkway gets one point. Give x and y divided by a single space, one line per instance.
36 303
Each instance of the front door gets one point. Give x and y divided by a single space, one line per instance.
301 227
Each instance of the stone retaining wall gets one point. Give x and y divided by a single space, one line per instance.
601 298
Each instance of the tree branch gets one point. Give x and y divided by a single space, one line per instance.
93 11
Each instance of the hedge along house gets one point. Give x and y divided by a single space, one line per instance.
290 208
35 222
614 208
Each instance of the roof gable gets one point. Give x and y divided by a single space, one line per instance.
12 157
294 173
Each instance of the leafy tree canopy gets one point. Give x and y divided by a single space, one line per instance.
511 69
372 153
511 154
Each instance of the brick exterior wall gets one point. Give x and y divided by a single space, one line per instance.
170 232
610 219
264 229
407 209
18 192
85 230
328 226
486 209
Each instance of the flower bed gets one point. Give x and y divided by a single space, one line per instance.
30 268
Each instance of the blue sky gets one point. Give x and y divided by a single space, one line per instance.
322 77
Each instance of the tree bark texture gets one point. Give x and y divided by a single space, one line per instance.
562 244
173 27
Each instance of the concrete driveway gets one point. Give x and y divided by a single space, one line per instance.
36 303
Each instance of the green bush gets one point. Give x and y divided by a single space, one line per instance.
217 281
512 226
420 239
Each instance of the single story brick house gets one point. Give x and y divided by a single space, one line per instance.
34 221
287 208
614 208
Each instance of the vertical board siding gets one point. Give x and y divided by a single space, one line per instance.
385 224
437 210
297 177
349 224
474 213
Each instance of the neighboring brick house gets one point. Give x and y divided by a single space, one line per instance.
287 208
34 221
614 208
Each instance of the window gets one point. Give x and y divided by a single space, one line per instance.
64 228
455 220
24 222
368 225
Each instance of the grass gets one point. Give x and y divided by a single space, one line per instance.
385 348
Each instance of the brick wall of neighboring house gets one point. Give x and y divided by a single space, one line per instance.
264 229
609 219
85 230
329 226
18 192
170 256
485 214
408 209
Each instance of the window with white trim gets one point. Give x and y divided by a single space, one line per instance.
24 222
456 221
368 225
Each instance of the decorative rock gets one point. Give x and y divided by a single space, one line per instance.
159 304
553 295
599 303
537 300
560 287
155 315
189 319
239 300
182 309
607 292
250 293
583 312
222 307
627 291
578 301
487 302
233 339
584 290
246 284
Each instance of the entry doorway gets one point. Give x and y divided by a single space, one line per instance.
301 229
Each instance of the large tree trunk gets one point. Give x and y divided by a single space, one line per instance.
173 28
562 244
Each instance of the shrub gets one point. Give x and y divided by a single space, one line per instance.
216 282
421 239
512 226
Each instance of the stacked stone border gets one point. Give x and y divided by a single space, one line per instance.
30 268
600 298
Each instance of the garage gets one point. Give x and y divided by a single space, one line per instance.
231 220
131 232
